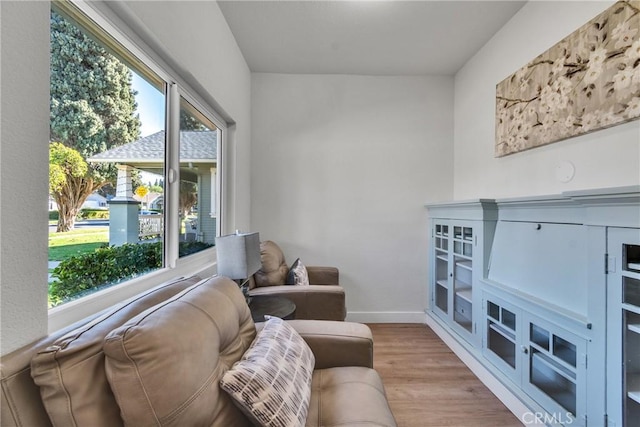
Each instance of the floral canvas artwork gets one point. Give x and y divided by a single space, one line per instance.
588 81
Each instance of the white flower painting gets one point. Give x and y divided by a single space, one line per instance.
588 81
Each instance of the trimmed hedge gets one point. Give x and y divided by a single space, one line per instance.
108 266
84 214
93 214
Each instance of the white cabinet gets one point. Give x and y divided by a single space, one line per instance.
544 292
461 234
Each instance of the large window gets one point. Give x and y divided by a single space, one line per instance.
198 172
115 186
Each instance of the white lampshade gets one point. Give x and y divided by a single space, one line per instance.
238 255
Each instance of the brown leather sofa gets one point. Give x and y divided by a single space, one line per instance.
323 299
166 351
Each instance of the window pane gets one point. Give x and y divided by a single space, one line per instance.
107 150
198 172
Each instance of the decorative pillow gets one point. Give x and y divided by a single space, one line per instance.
271 383
274 267
298 274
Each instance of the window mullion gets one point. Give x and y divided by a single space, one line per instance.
219 189
172 173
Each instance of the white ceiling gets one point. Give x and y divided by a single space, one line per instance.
364 37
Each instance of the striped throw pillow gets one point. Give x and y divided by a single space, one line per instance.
271 383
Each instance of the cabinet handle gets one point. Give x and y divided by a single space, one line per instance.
525 350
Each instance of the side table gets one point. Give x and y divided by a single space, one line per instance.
263 305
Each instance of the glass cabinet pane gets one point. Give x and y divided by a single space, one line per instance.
493 310
467 233
631 255
631 291
501 342
442 243
463 241
549 377
539 336
467 249
564 350
631 349
463 308
509 319
500 336
442 297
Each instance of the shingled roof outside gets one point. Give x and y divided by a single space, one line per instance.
195 146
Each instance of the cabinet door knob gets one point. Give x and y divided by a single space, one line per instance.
525 350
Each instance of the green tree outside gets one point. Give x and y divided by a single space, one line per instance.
69 181
92 110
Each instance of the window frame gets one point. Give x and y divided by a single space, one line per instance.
116 37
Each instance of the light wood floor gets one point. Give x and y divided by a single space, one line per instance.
427 385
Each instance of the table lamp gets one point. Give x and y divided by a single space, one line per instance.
239 257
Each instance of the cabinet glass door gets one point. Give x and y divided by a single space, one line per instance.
463 276
623 327
441 244
556 368
501 346
631 333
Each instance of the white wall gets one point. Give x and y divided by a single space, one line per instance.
193 35
24 154
605 158
341 169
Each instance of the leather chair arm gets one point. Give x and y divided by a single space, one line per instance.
312 302
335 344
323 275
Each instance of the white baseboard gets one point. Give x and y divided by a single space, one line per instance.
511 401
386 316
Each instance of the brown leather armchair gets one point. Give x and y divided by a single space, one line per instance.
322 299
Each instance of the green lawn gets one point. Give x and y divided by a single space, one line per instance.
75 242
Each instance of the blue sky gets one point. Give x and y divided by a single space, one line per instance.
151 110
150 106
